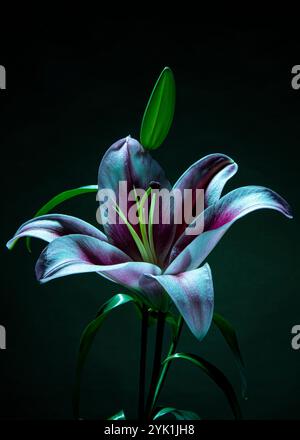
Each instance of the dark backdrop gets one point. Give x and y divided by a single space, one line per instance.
71 92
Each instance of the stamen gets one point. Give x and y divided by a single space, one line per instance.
150 226
146 244
142 223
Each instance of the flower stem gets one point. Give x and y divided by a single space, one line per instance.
143 356
164 370
156 361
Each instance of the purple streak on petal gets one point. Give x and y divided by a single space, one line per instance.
242 201
189 251
126 160
208 174
192 292
51 226
200 174
73 254
163 234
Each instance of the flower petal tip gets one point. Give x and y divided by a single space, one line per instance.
9 244
286 209
206 266
289 212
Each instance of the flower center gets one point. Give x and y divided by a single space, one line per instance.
144 242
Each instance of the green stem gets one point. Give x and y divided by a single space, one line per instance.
156 361
165 368
143 356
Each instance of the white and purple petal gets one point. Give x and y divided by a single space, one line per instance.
73 254
126 160
51 226
190 251
193 294
201 173
209 174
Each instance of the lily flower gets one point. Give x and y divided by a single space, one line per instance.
160 261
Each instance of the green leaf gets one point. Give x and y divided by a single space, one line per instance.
230 336
179 414
215 374
119 416
56 200
159 112
88 336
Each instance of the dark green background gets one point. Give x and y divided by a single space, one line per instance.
71 92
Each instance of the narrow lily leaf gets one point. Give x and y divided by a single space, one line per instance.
216 375
58 199
159 112
230 337
119 416
88 336
179 414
